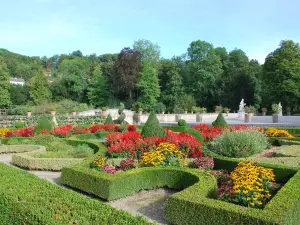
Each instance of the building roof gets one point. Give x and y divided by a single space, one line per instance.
12 79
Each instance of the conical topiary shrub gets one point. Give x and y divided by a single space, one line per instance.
108 120
152 127
220 121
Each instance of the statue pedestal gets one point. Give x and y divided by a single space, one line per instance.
280 113
241 115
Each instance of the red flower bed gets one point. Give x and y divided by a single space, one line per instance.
64 131
210 132
132 143
131 128
103 127
21 132
80 130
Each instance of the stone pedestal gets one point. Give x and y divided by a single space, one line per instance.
241 115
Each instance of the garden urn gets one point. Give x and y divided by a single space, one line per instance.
247 118
28 114
199 117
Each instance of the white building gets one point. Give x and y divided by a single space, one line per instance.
18 81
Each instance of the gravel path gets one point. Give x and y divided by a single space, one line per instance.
48 175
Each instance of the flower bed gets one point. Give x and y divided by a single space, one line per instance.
197 203
274 132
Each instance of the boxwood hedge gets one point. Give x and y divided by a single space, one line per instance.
26 199
196 204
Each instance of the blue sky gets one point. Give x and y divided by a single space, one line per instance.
48 27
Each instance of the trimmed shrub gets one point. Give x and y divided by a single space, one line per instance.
19 124
181 123
152 127
220 121
239 143
196 134
109 120
122 128
44 124
18 148
26 199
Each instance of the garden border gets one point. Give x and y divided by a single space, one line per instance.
195 204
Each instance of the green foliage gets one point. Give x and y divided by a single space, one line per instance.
34 208
4 84
98 88
149 51
178 110
122 115
220 121
18 94
275 108
39 88
152 127
186 102
122 128
148 86
67 106
109 120
159 107
196 134
19 124
44 123
239 143
181 123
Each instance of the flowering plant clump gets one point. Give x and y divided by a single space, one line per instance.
103 127
21 132
109 169
132 143
3 132
63 131
80 130
165 154
127 164
204 163
100 161
274 132
251 185
210 132
131 128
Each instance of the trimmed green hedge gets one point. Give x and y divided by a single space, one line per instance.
119 185
26 199
28 161
18 148
196 204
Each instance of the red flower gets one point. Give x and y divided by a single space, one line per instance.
131 128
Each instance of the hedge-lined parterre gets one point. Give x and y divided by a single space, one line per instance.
26 199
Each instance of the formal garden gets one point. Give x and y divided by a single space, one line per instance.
221 174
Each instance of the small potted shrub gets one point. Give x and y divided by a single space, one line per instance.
160 108
74 111
53 110
218 109
264 111
275 109
140 111
185 111
226 110
104 112
28 111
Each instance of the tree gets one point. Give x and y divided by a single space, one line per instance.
39 89
98 89
4 84
148 50
281 74
127 69
77 53
186 102
152 127
18 94
203 69
171 83
73 76
148 86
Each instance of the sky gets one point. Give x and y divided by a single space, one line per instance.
48 27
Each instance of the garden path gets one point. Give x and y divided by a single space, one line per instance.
48 175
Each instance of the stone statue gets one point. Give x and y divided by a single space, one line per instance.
279 109
242 105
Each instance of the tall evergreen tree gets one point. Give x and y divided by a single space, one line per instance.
39 89
98 88
4 84
148 86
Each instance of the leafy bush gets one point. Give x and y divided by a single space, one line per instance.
220 121
109 120
19 124
127 164
160 107
239 143
44 124
181 123
122 128
152 127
